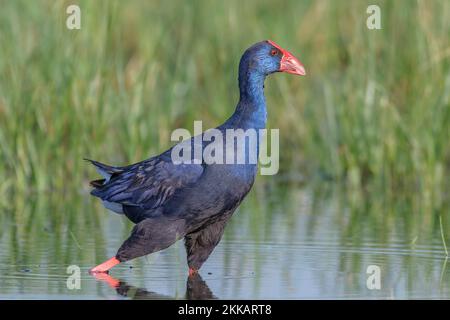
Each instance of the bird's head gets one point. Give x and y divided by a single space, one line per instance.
268 57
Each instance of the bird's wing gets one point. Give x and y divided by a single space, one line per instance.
148 184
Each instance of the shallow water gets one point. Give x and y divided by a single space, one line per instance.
283 243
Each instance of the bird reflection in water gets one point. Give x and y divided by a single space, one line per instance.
196 289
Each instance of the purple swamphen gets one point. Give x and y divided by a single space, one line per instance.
168 201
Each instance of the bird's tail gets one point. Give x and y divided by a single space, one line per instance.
97 183
105 171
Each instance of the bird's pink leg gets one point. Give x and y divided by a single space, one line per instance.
105 266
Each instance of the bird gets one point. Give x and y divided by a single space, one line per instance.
169 201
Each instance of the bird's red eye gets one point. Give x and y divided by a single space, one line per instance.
273 52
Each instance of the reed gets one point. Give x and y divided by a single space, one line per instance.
373 110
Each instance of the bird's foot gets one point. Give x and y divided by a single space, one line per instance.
105 266
192 271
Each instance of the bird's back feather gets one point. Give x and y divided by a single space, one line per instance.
144 186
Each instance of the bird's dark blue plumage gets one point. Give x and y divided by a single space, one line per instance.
170 201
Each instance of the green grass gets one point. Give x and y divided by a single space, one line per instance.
373 111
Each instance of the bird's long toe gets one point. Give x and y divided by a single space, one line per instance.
105 266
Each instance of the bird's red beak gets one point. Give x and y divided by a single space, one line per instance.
289 63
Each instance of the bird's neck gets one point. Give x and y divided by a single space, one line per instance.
251 110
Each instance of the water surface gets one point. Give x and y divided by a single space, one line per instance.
283 243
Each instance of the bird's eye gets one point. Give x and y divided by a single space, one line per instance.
273 52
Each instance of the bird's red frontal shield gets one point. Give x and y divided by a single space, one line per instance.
289 63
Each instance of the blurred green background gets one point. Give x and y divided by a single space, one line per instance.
374 108
370 120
